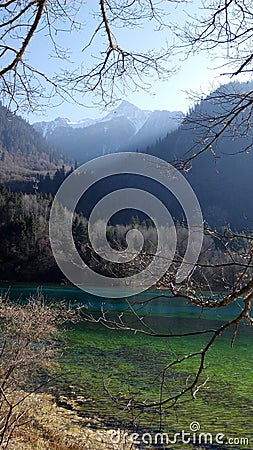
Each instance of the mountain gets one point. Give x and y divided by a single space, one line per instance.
124 129
157 126
23 151
135 115
221 177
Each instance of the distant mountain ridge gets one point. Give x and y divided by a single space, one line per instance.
221 177
126 128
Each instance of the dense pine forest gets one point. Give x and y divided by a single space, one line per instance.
25 252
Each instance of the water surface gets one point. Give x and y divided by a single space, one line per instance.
106 370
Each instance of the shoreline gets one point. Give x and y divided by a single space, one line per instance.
48 426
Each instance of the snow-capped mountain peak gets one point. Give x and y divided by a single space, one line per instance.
131 112
82 123
126 128
46 128
126 109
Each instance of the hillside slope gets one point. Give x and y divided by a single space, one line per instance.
222 175
23 151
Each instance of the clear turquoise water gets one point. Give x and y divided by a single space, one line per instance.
130 366
150 302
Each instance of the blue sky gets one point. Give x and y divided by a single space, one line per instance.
198 73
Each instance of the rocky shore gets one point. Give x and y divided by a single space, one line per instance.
47 426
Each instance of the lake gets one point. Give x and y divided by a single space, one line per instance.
105 371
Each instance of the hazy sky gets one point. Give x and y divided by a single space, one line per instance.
197 73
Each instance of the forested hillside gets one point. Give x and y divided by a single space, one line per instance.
26 255
23 151
222 175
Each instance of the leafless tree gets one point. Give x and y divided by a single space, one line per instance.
231 273
224 29
115 67
29 342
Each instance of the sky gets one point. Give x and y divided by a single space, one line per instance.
198 73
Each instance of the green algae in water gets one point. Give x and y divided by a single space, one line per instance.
130 366
109 367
